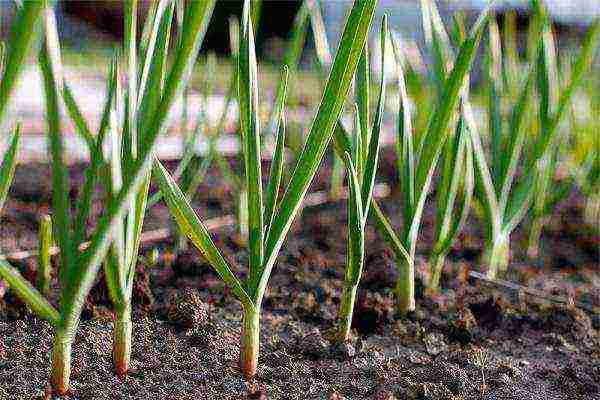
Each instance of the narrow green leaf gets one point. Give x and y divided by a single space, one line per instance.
153 74
372 153
130 50
77 117
34 300
44 271
357 142
363 82
250 129
84 201
512 152
276 169
190 224
320 36
458 219
23 34
404 143
9 163
356 230
49 61
389 235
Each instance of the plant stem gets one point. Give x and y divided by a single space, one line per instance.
250 345
122 340
61 361
405 286
44 273
437 265
498 257
346 312
535 232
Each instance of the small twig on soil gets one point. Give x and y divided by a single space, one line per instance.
530 291
380 190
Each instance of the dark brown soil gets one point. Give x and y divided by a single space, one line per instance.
474 341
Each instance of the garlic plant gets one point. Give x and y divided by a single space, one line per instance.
270 220
361 167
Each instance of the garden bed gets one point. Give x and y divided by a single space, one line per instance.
477 340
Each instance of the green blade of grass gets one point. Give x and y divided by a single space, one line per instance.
92 173
44 266
117 268
81 126
372 150
49 61
190 224
320 36
450 175
34 300
362 88
494 70
455 220
334 96
130 50
356 231
276 169
152 27
404 143
23 34
342 145
357 142
154 67
250 130
389 235
9 163
484 184
512 153
511 59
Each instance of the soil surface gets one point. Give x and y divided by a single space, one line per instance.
475 340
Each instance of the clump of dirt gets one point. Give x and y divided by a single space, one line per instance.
186 310
569 321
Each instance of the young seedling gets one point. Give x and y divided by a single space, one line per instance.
9 163
417 165
361 167
44 272
548 191
270 220
505 196
504 205
78 270
455 186
453 199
